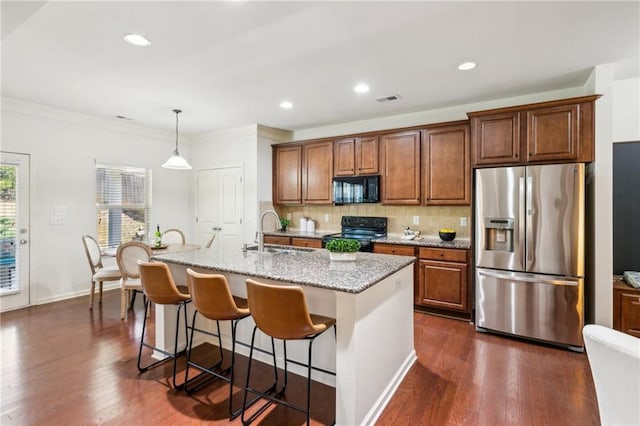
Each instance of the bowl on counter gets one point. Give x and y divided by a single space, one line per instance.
447 235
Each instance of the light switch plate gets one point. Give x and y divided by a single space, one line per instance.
463 221
416 220
326 217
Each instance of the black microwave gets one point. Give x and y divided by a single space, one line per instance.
356 189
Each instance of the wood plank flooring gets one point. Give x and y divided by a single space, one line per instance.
64 364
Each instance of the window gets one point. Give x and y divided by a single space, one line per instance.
123 203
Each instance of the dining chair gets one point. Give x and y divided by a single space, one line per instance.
99 273
127 257
173 236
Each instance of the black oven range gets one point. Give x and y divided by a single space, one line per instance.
361 228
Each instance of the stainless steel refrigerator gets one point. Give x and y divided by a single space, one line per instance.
529 249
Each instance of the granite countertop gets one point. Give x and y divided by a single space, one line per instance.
457 243
300 234
310 267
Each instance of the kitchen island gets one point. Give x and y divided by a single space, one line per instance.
371 299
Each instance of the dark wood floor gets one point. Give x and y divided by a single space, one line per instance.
64 364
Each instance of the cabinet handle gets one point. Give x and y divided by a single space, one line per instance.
516 155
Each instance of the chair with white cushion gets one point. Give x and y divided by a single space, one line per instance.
614 358
99 273
173 236
127 258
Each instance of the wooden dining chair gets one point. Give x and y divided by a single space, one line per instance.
99 273
173 236
127 258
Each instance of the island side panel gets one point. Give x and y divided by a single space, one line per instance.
375 347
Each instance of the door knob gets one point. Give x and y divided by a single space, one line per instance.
23 241
216 228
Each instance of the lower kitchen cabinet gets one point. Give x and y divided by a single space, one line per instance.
626 308
441 278
281 241
306 242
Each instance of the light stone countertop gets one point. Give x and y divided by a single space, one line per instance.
311 267
300 234
457 243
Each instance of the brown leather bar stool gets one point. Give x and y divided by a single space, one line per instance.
281 312
159 288
213 300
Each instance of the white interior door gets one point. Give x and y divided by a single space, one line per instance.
14 231
220 206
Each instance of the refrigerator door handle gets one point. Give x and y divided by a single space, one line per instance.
533 279
521 222
529 237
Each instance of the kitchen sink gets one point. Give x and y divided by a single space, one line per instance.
280 249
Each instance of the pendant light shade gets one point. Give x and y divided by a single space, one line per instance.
176 162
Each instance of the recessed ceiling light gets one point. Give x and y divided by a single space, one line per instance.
136 40
466 66
286 105
361 88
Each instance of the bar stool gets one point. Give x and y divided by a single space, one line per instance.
212 299
159 288
281 312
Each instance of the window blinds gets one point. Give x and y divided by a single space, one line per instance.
123 203
8 222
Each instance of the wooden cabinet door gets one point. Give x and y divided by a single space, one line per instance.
496 138
367 155
552 133
446 169
318 173
400 168
443 285
344 157
287 175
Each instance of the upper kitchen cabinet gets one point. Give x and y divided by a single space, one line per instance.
317 172
400 167
446 169
287 174
546 132
355 156
496 138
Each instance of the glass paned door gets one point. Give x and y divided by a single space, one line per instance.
14 231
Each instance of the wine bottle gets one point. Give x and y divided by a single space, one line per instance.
158 236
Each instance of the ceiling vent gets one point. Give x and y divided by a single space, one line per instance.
388 98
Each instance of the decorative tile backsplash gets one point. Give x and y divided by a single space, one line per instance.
431 218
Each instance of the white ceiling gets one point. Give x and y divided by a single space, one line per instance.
230 63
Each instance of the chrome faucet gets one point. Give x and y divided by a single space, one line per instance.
261 229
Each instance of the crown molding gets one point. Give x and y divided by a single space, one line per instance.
51 113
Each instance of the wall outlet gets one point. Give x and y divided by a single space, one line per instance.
288 216
416 220
463 221
57 219
326 217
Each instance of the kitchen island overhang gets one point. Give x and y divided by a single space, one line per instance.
371 299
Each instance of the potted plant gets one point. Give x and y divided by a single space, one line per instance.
283 223
343 249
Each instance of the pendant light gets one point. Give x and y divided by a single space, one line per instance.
176 162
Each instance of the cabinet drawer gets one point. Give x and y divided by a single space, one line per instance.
394 249
449 255
630 313
283 241
306 242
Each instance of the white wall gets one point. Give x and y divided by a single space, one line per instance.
64 148
626 110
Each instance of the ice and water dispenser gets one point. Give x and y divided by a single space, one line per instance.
499 234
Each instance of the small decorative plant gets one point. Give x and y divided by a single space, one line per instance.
343 245
284 222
